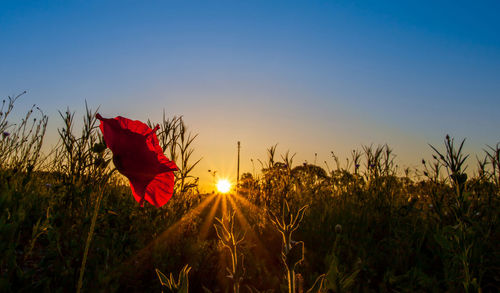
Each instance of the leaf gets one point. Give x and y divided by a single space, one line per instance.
286 215
184 279
318 285
299 216
295 255
182 286
163 279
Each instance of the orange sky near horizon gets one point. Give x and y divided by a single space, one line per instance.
310 76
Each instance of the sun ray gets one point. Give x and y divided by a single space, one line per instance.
223 260
143 254
252 236
224 204
209 219
247 203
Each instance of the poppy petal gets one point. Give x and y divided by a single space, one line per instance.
138 156
160 189
157 191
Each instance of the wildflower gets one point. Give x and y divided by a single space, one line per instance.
431 206
138 156
357 166
338 228
5 134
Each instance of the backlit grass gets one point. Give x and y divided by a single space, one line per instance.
361 227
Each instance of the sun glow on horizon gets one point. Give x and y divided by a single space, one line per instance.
223 185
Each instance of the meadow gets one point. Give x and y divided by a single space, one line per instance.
364 226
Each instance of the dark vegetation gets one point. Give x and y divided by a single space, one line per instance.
361 227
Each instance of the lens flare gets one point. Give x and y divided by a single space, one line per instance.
223 186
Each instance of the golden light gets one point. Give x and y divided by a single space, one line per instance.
223 186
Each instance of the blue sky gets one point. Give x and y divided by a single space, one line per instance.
313 76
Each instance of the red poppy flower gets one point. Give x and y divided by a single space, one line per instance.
138 156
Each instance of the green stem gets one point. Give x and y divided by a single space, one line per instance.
291 281
236 284
89 239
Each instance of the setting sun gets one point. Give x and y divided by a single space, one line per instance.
223 186
227 146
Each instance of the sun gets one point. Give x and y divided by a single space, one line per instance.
223 186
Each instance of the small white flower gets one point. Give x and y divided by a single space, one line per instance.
431 206
338 228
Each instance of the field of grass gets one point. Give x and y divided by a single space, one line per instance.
362 227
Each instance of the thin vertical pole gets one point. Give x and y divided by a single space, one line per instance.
238 169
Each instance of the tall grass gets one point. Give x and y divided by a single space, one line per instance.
368 227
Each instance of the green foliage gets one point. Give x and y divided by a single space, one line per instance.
232 241
369 226
292 252
173 286
335 279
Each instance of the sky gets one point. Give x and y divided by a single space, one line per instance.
310 76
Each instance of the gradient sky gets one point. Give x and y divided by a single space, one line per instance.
312 76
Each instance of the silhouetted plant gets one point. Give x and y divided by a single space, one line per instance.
181 285
292 252
20 144
337 278
81 159
232 241
435 232
175 139
454 161
459 241
493 155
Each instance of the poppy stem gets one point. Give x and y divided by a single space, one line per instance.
154 130
89 238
